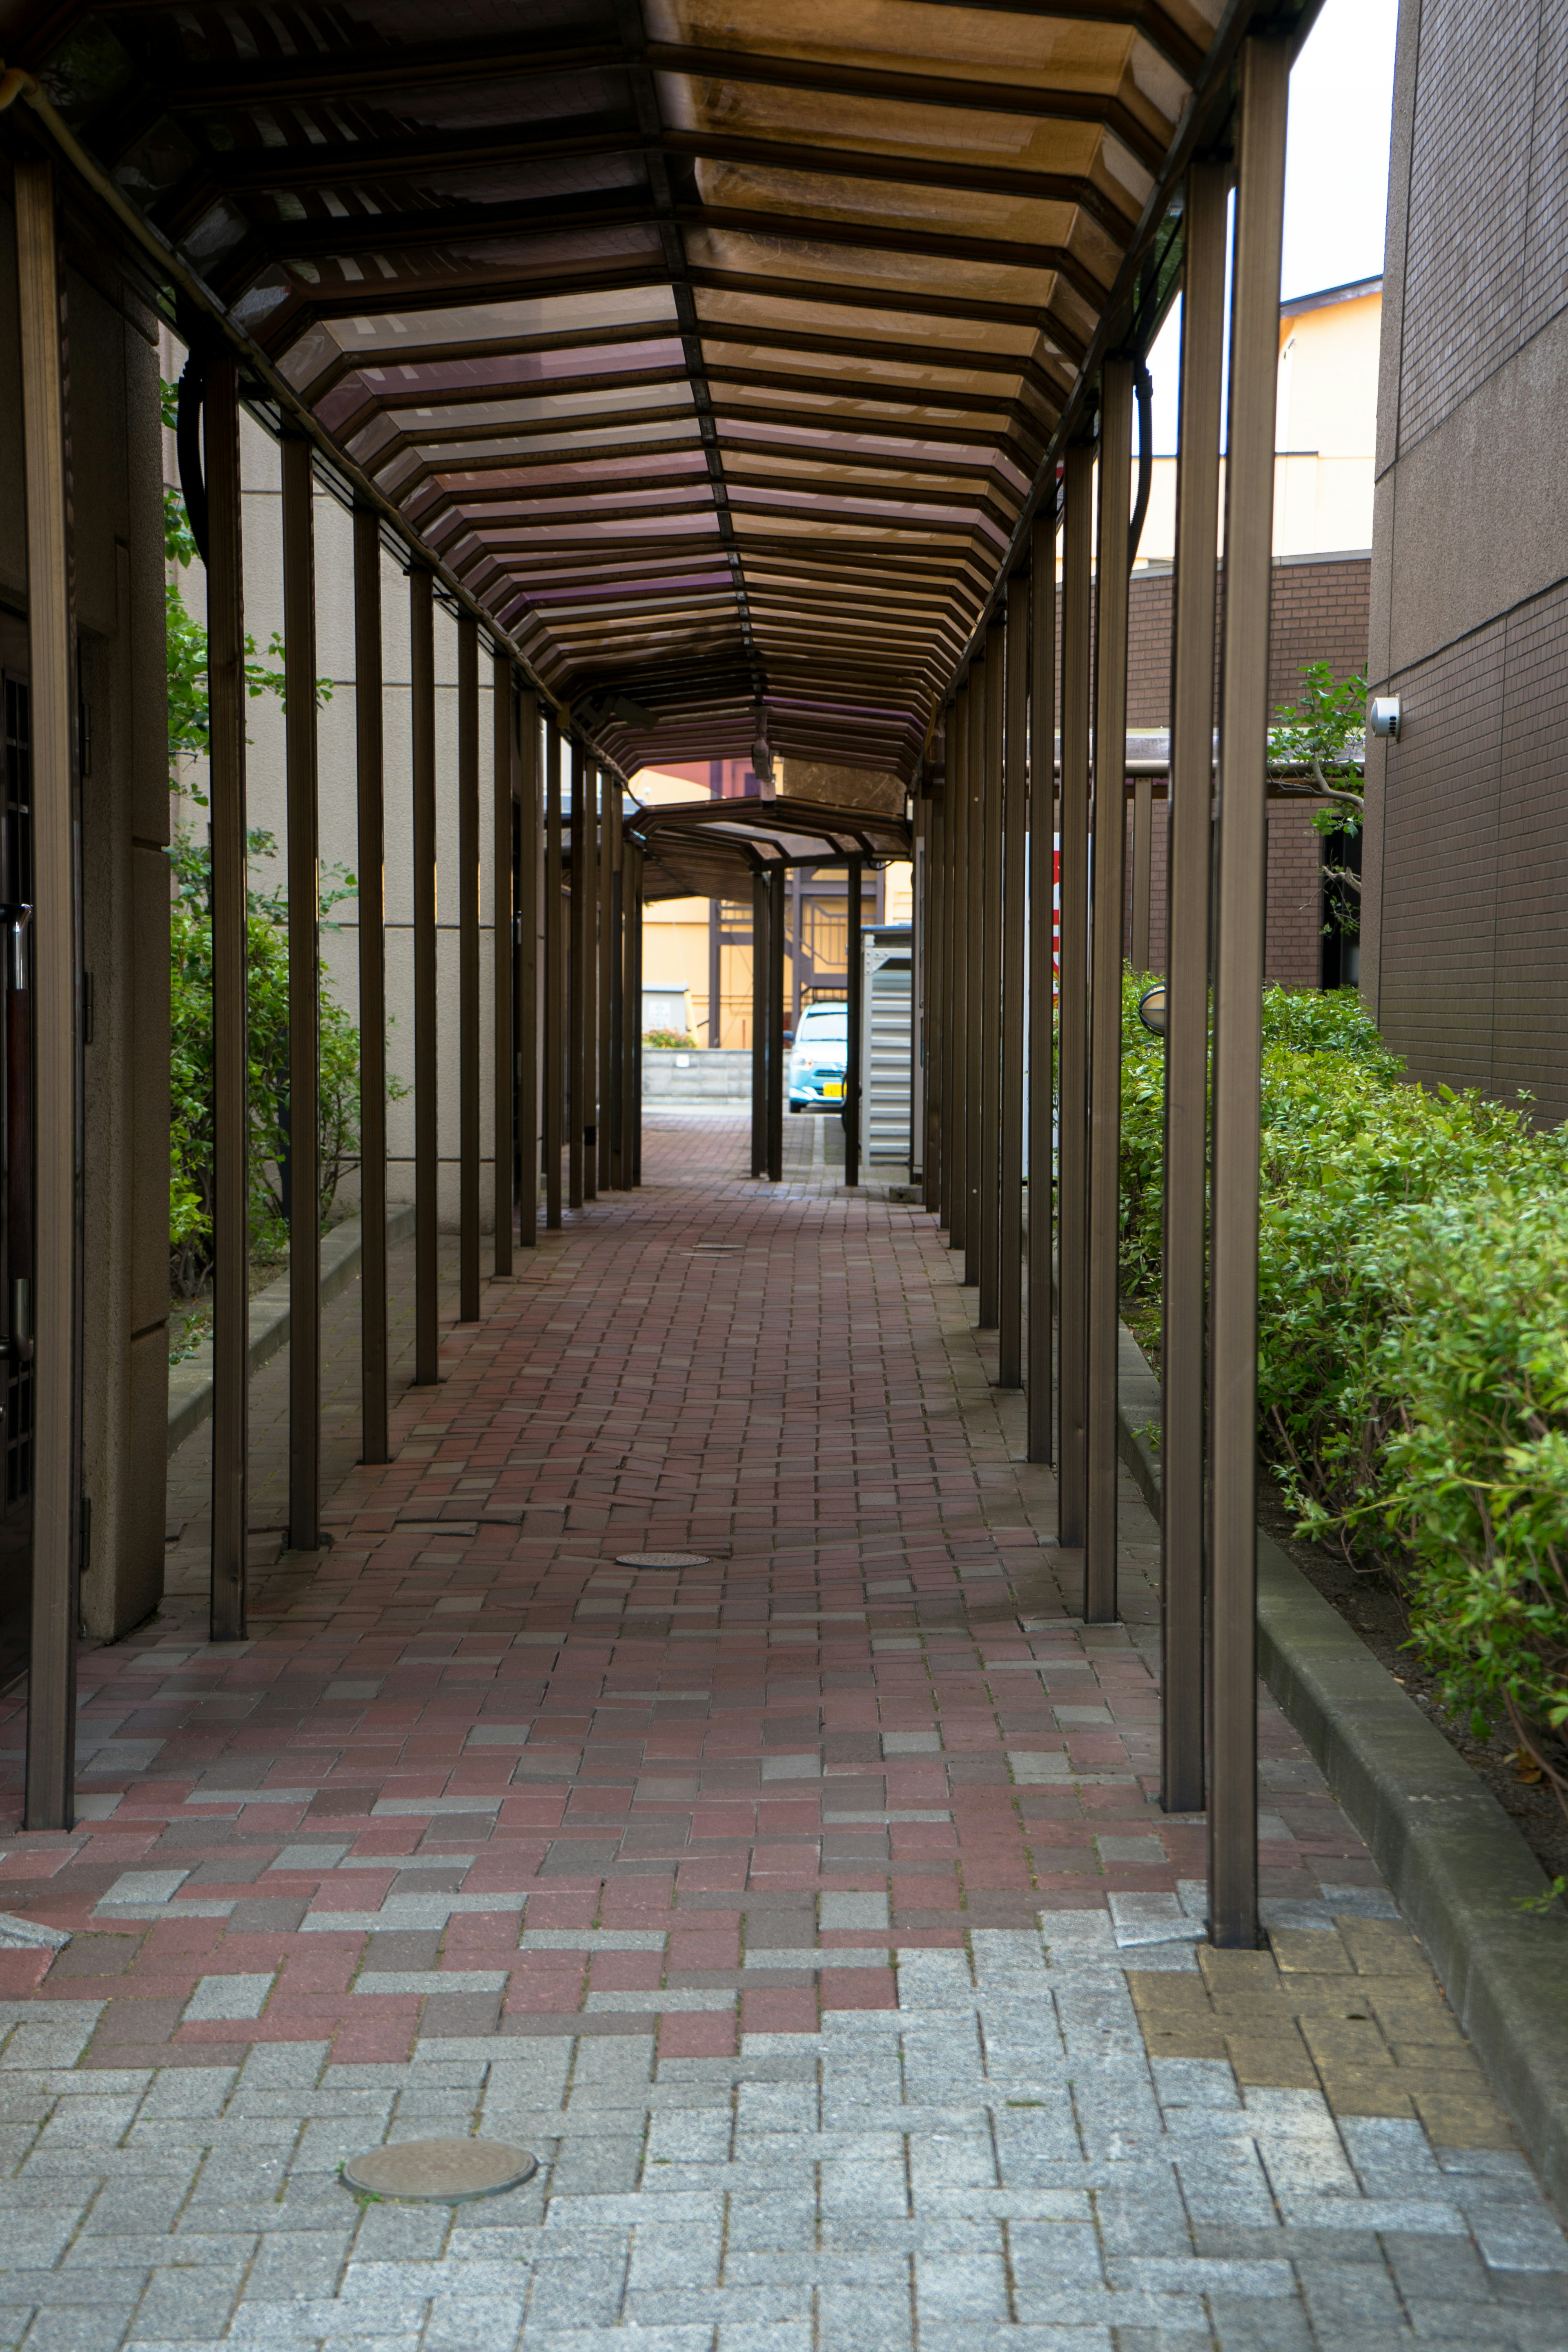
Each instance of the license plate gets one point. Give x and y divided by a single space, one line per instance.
834 1086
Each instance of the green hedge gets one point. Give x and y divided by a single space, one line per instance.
1412 1339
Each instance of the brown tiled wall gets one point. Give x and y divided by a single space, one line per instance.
1474 915
1489 198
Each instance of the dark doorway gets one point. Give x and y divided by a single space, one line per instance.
1342 909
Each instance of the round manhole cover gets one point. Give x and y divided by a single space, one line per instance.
440 2171
662 1560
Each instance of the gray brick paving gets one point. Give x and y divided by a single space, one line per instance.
994 2163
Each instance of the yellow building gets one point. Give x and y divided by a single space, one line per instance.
704 946
1326 422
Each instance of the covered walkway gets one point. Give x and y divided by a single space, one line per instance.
808 1910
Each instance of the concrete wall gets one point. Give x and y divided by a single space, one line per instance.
266 795
1465 956
703 1076
117 548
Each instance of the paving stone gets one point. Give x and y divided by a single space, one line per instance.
542 1848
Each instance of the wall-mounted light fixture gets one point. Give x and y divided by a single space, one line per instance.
1384 715
1152 1009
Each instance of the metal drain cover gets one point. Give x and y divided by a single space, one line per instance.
439 2171
662 1560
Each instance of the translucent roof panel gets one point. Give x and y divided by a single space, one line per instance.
718 347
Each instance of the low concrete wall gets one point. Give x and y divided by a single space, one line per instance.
190 1384
720 1075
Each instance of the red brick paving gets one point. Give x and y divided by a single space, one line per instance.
826 1708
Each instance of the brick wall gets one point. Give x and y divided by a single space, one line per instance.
1318 613
1293 941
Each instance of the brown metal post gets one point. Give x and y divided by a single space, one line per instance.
577 1033
304 985
504 953
855 1022
54 1325
426 1044
617 1090
1190 844
1042 980
633 990
467 969
956 795
1072 1016
1142 869
777 921
973 1037
1106 966
760 906
1014 913
592 782
227 701
991 793
934 982
371 869
609 795
526 918
555 978
1238 989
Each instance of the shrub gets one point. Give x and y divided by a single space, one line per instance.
1413 1362
668 1037
191 1075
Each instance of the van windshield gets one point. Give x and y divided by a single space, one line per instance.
825 1021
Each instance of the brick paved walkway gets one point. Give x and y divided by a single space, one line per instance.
809 1911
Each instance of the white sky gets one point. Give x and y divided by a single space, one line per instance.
1336 170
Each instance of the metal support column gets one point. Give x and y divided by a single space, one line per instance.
227 701
605 989
577 1035
528 991
1142 870
759 905
715 955
855 1059
1072 1016
934 976
615 1083
370 863
777 920
427 1042
1012 914
467 969
1042 982
54 1323
1190 847
304 996
956 798
634 1059
554 978
1106 965
504 951
593 782
972 1043
1239 990
991 789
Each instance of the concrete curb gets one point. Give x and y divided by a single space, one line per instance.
1454 1862
190 1384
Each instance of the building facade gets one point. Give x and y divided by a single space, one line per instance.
1466 897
